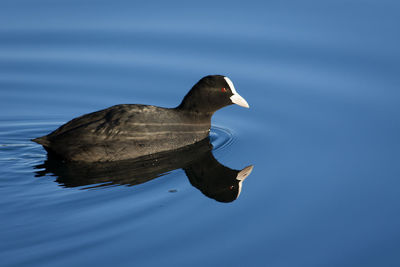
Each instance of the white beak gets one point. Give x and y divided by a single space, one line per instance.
236 98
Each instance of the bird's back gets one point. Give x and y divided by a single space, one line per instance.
125 131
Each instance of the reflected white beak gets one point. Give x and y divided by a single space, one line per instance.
243 174
236 98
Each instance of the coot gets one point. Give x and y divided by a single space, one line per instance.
131 130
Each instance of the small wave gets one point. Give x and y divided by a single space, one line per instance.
16 148
221 137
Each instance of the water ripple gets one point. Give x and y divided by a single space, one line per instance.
221 137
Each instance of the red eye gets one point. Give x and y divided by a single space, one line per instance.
224 90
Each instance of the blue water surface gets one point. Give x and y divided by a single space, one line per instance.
322 80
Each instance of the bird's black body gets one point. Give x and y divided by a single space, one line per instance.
130 130
125 131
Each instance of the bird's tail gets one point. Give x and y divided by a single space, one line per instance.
42 141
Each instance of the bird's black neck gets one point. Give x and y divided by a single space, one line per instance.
198 102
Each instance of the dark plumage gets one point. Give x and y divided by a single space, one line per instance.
130 130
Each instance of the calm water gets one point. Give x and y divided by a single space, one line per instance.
322 80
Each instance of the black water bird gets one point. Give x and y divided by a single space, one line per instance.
131 130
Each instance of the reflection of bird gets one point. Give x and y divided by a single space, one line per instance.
202 169
215 180
130 131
